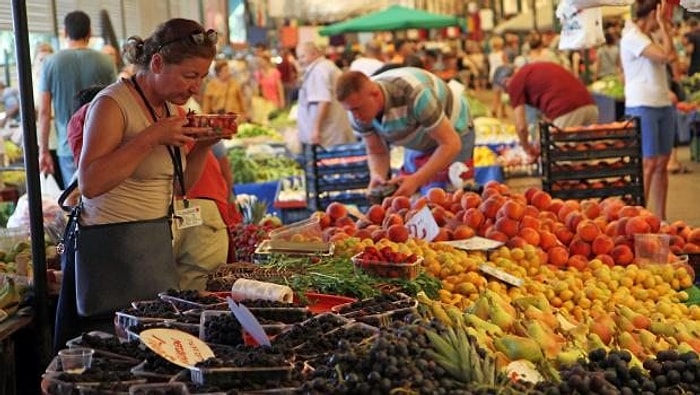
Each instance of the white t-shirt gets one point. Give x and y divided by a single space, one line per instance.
319 86
646 81
366 65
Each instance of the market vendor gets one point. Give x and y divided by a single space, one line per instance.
415 109
561 98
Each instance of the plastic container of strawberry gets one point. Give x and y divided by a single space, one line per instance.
404 270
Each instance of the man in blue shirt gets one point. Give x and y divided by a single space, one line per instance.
62 76
10 102
415 109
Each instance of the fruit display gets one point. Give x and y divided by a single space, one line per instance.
249 167
609 86
563 306
248 130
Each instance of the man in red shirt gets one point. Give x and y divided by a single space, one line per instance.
561 98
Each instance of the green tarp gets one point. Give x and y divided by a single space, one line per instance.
392 18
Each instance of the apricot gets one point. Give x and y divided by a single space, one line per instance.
530 222
541 199
691 248
349 230
578 262
694 236
590 209
400 202
470 200
602 244
437 196
629 211
363 234
555 206
375 214
572 220
494 234
336 210
558 256
530 193
444 234
530 235
564 234
547 240
344 221
548 215
637 225
419 203
462 232
392 219
473 217
579 247
507 226
397 233
606 259
491 206
516 242
531 211
587 230
513 210
654 223
324 220
378 234
622 255
563 212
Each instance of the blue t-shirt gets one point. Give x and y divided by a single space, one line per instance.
416 101
10 100
64 74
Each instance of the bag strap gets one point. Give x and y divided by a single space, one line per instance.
67 192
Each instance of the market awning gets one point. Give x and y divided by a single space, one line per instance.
392 18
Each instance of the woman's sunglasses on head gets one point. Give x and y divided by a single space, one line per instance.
197 38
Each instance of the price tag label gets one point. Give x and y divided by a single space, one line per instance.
178 347
501 275
423 225
475 243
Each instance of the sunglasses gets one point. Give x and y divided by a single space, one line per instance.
197 38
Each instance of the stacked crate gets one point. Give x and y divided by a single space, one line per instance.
336 174
593 162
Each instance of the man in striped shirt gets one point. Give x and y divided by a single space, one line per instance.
415 109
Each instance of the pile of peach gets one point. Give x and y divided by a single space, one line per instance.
568 233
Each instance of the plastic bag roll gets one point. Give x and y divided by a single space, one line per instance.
259 290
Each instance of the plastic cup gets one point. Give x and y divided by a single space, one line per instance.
76 360
651 248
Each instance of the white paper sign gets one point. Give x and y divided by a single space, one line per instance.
501 275
176 346
423 225
475 243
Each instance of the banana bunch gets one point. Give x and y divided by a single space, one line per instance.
460 357
459 352
9 296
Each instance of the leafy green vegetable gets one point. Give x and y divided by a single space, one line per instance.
261 167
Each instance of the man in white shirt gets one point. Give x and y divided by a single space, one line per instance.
371 61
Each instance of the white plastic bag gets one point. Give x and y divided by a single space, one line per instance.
691 5
582 30
49 186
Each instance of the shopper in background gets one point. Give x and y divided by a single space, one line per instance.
62 76
10 104
691 41
321 119
133 136
417 110
222 94
496 58
270 81
290 74
647 94
561 98
370 61
608 56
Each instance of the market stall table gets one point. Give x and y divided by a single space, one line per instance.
8 371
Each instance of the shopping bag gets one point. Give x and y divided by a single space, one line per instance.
582 30
49 186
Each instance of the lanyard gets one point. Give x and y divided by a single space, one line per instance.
173 151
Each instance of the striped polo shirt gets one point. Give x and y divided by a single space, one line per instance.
415 103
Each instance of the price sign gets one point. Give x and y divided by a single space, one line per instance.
178 347
501 275
423 225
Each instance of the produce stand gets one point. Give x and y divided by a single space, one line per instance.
593 162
